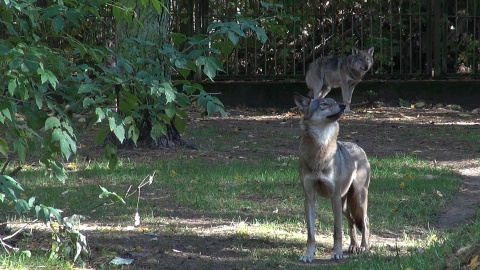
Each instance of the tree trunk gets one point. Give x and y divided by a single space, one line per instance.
155 29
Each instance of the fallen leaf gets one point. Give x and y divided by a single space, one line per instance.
473 262
419 104
121 261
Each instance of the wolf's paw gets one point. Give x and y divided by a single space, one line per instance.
306 258
337 256
356 249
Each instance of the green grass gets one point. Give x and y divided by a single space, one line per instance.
27 261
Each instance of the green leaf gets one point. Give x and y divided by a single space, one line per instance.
261 34
58 171
58 23
51 11
100 113
171 111
110 154
178 38
52 79
170 92
179 124
233 37
19 147
211 66
157 5
87 102
214 25
133 133
12 85
158 129
52 122
85 88
3 147
111 195
21 206
6 113
116 126
67 145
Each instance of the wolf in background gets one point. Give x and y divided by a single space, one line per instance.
338 71
339 171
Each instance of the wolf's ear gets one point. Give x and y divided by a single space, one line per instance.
301 102
370 51
355 50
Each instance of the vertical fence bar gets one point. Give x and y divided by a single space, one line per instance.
475 36
456 30
245 9
381 39
400 39
410 44
391 37
371 35
444 37
420 39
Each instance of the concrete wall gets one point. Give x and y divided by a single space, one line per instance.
280 94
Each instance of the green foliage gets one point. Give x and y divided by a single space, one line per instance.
112 196
68 242
51 75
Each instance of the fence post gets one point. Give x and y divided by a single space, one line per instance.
439 44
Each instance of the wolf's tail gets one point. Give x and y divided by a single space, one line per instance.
357 204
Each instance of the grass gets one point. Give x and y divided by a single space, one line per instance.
263 201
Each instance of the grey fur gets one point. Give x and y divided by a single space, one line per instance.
339 171
343 72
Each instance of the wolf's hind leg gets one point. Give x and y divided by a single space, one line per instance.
352 231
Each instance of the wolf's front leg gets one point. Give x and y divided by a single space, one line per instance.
347 92
310 219
337 227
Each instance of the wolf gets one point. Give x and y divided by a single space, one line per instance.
332 169
338 71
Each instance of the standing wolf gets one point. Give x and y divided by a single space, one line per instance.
339 71
339 171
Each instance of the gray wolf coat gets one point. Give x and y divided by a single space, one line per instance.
336 170
346 72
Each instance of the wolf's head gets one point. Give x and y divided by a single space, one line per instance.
362 60
321 110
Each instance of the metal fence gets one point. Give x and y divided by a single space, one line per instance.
412 38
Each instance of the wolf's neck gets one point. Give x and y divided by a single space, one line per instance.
322 141
356 74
